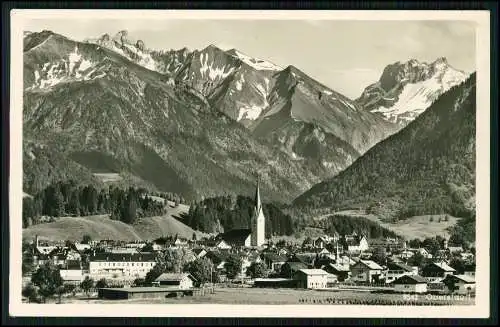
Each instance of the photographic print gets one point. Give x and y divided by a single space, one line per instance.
198 163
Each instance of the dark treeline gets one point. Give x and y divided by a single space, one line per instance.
70 199
229 212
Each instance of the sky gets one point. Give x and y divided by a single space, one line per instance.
346 55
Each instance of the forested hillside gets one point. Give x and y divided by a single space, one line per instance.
426 168
224 213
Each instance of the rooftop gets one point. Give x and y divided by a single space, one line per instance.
172 277
410 279
313 271
120 257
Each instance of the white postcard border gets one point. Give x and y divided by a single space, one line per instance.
479 310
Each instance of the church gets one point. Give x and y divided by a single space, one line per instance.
249 237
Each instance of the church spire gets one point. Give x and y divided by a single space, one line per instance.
258 205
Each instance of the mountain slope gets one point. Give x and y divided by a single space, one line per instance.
426 168
283 106
99 112
101 227
405 90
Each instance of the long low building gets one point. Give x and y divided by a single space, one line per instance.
140 293
275 283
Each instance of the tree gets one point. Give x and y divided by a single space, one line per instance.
194 238
415 243
130 210
60 291
27 262
86 285
86 239
29 292
379 256
450 283
201 269
147 248
458 265
176 259
154 273
48 279
233 266
101 283
139 282
69 288
257 270
417 260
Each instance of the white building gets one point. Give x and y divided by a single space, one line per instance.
120 265
396 270
258 222
182 281
464 284
366 271
311 278
410 284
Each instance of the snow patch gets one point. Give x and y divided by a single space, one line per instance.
239 83
251 112
415 98
212 71
256 63
74 57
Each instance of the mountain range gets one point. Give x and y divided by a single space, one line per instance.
197 123
426 168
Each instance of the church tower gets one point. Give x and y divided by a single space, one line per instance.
258 221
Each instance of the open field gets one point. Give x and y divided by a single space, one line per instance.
413 227
108 177
286 296
101 227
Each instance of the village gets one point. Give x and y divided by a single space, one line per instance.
176 267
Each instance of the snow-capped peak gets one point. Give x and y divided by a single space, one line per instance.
258 64
405 90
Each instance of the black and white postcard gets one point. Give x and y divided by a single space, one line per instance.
249 163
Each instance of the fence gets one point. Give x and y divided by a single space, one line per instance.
346 301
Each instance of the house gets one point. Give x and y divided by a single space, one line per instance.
470 270
331 280
406 254
237 237
289 268
461 284
410 284
355 243
305 258
199 253
323 253
121 265
179 242
311 278
395 270
341 271
424 253
322 241
72 272
80 247
181 281
274 261
455 249
366 271
437 271
390 244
